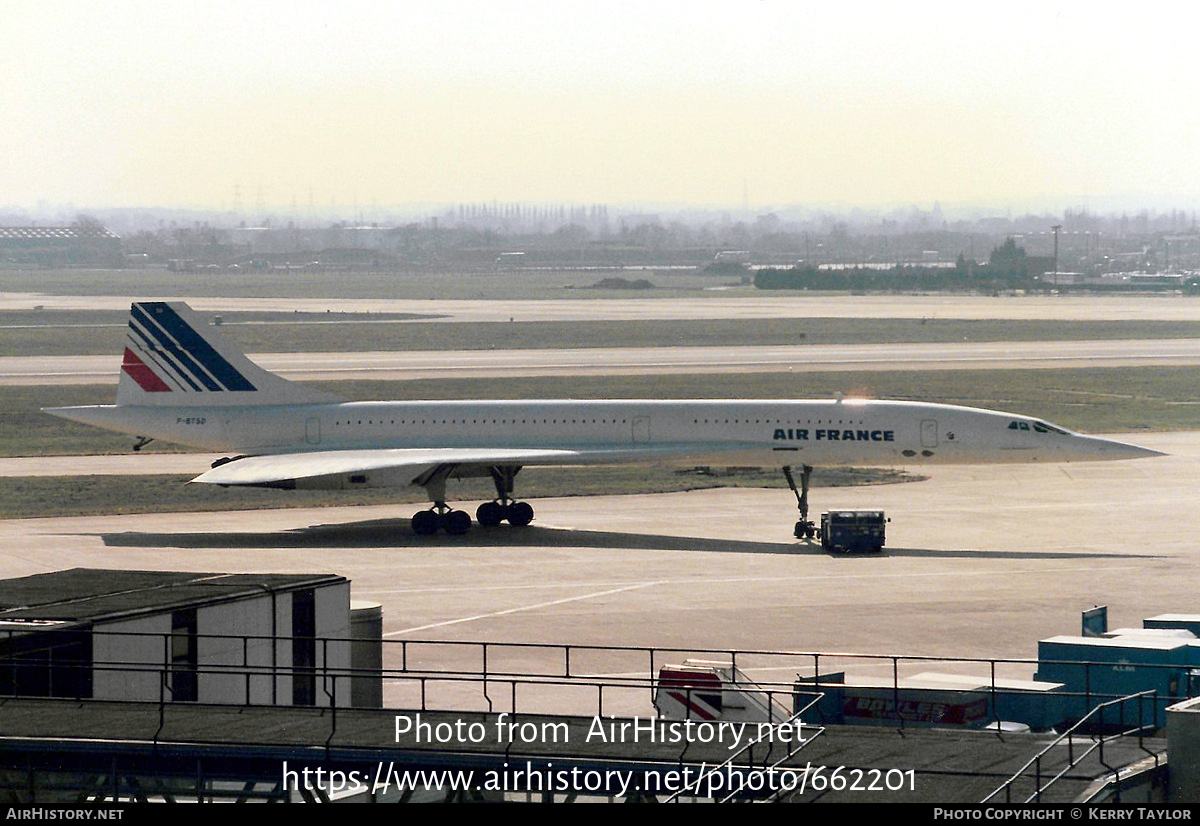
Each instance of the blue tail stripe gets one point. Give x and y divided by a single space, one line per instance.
169 348
161 357
201 350
157 360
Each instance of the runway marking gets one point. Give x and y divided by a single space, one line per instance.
445 589
728 580
718 581
841 577
522 608
23 370
696 581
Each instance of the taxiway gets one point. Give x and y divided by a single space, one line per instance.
980 559
1075 307
409 365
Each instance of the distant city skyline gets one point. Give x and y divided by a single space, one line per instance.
278 106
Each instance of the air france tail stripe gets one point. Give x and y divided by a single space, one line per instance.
146 378
156 325
158 361
161 358
197 346
168 345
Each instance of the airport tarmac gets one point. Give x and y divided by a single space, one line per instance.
114 464
980 561
410 365
1092 307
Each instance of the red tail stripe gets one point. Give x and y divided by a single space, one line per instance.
146 378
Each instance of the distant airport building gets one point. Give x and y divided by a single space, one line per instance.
510 260
1131 281
247 639
80 245
733 257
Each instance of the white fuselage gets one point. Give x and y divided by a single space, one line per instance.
181 381
752 432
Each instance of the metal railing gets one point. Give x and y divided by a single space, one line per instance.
50 663
532 679
743 758
1090 744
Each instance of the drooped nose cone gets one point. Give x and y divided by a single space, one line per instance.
1112 449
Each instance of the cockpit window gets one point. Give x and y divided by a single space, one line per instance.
1039 426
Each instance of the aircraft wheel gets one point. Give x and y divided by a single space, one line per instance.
425 523
490 514
456 522
520 514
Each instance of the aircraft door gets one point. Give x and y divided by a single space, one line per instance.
312 431
929 433
641 429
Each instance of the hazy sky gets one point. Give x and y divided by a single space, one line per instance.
122 103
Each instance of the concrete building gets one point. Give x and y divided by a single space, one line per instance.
74 246
247 639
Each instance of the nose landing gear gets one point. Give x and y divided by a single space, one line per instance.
805 528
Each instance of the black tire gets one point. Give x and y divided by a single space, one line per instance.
520 514
490 514
456 523
426 523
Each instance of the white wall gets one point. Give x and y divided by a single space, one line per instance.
144 656
1183 750
333 623
221 661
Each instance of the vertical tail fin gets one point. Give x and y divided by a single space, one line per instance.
173 358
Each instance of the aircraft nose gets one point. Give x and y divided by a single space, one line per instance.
1112 449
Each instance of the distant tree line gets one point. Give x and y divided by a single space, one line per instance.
1008 268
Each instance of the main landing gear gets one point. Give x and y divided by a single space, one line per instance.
490 514
805 529
440 517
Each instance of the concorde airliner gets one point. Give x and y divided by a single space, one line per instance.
183 382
